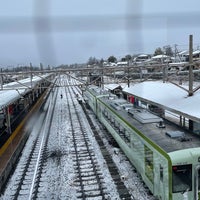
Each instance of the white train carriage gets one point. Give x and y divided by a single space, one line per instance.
168 162
17 97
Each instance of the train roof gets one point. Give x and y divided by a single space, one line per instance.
169 137
9 96
112 86
25 83
15 90
99 92
167 96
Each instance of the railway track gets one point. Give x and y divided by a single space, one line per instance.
121 188
29 169
138 190
45 169
90 182
66 158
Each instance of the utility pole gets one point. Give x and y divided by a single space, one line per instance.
31 81
1 79
31 75
102 78
165 72
175 52
190 92
128 75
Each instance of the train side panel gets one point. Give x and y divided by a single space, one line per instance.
90 100
150 161
170 175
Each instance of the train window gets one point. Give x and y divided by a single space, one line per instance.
161 173
149 165
2 119
181 178
1 114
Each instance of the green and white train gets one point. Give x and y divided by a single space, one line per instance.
166 156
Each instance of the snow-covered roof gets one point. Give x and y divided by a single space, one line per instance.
185 52
15 90
196 52
24 83
112 86
160 56
169 96
142 55
9 96
122 63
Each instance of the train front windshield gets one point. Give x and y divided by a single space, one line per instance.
181 178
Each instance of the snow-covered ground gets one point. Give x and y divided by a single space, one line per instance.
58 179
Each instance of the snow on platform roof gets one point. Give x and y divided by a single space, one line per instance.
169 96
15 90
9 96
24 83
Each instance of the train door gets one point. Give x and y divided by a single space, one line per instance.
162 183
2 117
197 183
198 189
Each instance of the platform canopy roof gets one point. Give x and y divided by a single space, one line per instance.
9 96
167 96
15 90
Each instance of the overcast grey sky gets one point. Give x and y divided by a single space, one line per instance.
58 32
